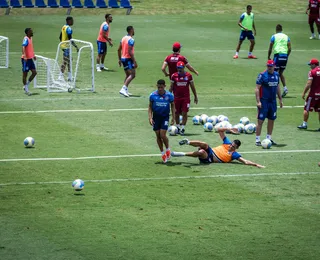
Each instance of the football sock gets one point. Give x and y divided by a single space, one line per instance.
98 65
162 152
26 88
28 83
258 138
178 154
182 127
237 53
250 53
305 123
269 137
168 149
101 65
285 88
69 75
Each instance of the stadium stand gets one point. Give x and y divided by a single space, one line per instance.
69 4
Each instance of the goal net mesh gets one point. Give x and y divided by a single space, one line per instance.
4 52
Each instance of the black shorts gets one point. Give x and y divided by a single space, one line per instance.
281 61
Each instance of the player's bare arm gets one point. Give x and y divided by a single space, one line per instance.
257 91
132 56
193 88
60 37
270 50
171 87
240 24
254 29
289 48
247 162
306 88
192 69
119 54
173 112
279 96
163 68
24 53
150 113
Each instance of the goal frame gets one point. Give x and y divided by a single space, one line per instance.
3 38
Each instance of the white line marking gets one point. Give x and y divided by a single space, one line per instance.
137 155
53 111
168 178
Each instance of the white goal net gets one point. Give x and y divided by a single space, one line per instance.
4 52
72 69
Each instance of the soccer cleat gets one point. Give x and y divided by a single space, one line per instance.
98 69
312 37
284 93
104 68
123 92
184 141
28 93
303 126
236 56
61 77
164 158
129 93
258 143
182 131
168 154
273 143
251 57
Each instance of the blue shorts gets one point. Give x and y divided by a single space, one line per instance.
246 34
209 158
102 47
66 53
27 65
160 123
281 61
128 64
268 110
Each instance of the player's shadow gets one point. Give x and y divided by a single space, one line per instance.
135 95
289 97
280 145
246 58
30 147
35 94
312 130
109 70
79 194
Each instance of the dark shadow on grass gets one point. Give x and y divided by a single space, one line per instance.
312 130
35 94
184 164
109 71
79 194
135 96
30 147
280 145
289 97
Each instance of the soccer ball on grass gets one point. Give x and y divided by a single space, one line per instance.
266 144
28 142
173 130
78 185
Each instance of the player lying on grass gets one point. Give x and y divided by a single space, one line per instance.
224 153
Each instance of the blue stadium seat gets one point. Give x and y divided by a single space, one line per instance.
100 4
65 3
125 4
89 4
4 4
40 3
27 3
53 4
113 4
76 4
15 4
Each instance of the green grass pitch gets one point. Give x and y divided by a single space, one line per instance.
133 206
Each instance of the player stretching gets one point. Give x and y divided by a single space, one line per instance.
180 82
172 60
27 60
224 153
313 13
127 59
160 102
102 40
313 98
65 35
281 45
267 90
246 23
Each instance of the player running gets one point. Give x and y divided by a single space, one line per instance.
281 45
313 98
224 153
312 11
27 60
102 40
246 23
172 60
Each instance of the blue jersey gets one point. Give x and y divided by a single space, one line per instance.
161 103
269 85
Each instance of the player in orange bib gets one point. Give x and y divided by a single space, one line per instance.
27 60
224 153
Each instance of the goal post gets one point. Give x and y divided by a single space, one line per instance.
4 52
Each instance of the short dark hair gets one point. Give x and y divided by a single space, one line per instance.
175 49
129 28
249 6
279 27
161 82
69 18
107 15
237 142
27 30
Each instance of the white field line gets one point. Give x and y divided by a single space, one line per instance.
120 109
168 178
137 155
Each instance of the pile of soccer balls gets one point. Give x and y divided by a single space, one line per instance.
213 123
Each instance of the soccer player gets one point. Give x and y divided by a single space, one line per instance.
66 35
127 59
312 11
27 60
160 102
102 40
224 153
172 60
267 89
180 83
281 45
246 23
313 98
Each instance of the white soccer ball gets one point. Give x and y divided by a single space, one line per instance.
196 120
213 120
173 130
244 120
208 127
254 126
203 118
28 142
78 185
222 118
266 144
249 129
240 127
217 127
